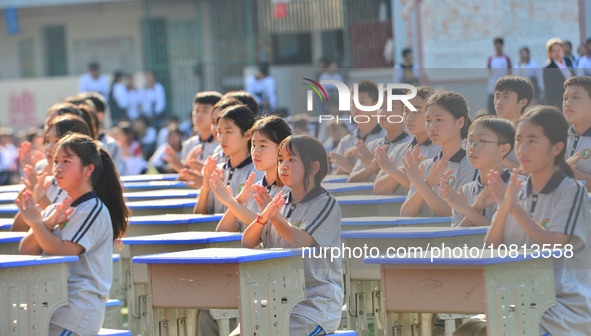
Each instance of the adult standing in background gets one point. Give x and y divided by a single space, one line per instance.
118 100
153 100
528 68
499 65
556 71
263 88
407 72
94 81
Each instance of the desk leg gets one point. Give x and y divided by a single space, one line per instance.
517 297
33 293
174 322
269 290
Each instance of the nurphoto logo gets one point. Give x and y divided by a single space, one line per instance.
344 100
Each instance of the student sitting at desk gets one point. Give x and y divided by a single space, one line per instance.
234 135
86 227
267 134
366 168
447 123
39 180
309 216
489 141
391 179
551 209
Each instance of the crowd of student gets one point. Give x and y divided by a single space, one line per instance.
517 172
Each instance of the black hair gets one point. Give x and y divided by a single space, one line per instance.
555 128
94 66
309 150
241 116
369 87
499 40
245 98
526 49
502 128
264 68
104 179
100 104
66 124
588 41
453 103
522 86
582 81
406 51
91 121
425 92
207 97
272 127
224 104
63 108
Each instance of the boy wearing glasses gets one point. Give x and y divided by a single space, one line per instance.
490 139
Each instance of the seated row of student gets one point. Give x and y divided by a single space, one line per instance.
308 217
447 123
550 208
267 134
490 139
512 95
576 107
193 172
392 179
39 180
366 168
344 158
234 135
204 137
84 224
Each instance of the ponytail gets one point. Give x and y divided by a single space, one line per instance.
109 190
104 179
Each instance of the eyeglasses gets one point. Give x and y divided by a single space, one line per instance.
477 144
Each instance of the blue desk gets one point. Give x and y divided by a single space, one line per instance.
8 210
8 197
32 288
149 177
160 194
263 284
370 205
375 222
157 224
6 224
160 207
335 178
362 281
154 185
349 189
138 299
9 242
513 292
12 188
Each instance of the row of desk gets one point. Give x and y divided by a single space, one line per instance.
174 272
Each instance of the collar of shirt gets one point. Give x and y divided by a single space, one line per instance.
267 185
505 176
88 196
425 143
571 131
457 157
242 164
375 130
397 139
552 184
208 140
309 196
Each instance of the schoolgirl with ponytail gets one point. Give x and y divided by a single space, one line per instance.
548 212
86 224
447 123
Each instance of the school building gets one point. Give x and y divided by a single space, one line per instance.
193 45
